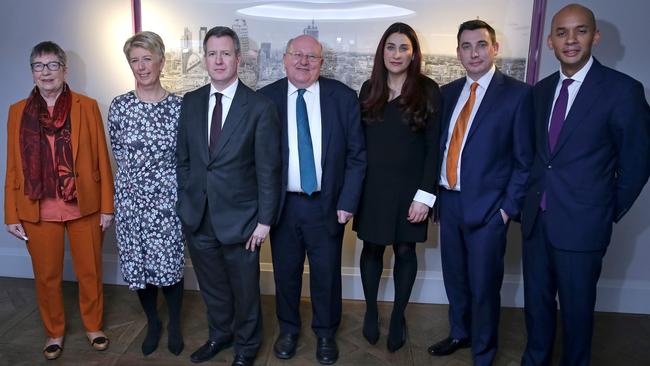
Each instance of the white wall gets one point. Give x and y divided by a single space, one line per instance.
92 34
98 69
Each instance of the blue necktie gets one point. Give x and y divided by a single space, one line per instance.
305 148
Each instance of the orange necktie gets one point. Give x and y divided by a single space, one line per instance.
457 137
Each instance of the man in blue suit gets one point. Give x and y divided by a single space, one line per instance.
592 157
323 167
486 148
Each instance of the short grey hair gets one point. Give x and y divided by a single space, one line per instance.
47 48
220 31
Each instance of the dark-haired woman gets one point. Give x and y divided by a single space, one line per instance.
400 109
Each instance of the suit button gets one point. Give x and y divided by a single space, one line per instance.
76 175
538 193
203 191
549 166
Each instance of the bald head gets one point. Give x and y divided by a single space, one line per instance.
302 61
575 9
573 34
305 38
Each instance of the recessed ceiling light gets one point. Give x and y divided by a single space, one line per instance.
325 11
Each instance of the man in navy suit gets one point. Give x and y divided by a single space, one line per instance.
592 127
486 148
323 166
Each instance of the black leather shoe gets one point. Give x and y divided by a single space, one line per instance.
209 350
327 352
241 360
448 346
371 328
285 346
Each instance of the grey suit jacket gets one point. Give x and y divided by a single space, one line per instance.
240 180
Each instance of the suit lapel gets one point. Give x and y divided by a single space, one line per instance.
282 92
75 124
235 114
326 108
582 103
491 98
202 109
544 114
455 89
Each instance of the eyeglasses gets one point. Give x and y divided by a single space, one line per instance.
297 56
52 66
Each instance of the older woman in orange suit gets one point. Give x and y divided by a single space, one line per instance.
59 179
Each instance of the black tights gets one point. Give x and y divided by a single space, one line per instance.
404 272
149 301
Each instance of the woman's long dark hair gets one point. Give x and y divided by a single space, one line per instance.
415 98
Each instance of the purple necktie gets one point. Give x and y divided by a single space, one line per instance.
557 121
215 125
559 113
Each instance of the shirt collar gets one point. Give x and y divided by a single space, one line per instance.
313 88
581 74
483 81
229 92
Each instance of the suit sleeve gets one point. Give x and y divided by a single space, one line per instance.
523 150
631 130
355 156
105 170
268 164
11 210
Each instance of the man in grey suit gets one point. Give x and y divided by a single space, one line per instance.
228 171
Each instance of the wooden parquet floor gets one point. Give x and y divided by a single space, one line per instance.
619 339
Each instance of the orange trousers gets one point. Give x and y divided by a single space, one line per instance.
46 247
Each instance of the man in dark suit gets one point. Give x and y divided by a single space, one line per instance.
592 127
323 166
228 167
486 149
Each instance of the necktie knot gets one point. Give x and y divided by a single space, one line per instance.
473 87
218 96
567 82
301 92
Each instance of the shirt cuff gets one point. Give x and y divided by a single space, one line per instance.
425 197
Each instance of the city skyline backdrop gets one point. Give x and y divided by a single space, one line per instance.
349 46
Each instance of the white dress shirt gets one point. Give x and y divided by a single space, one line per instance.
483 84
312 101
226 101
578 79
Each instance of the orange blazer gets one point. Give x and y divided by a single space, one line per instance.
94 176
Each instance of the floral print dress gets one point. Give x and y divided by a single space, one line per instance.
149 236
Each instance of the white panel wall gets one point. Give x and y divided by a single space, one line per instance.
93 33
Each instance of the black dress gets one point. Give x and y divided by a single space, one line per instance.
400 161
